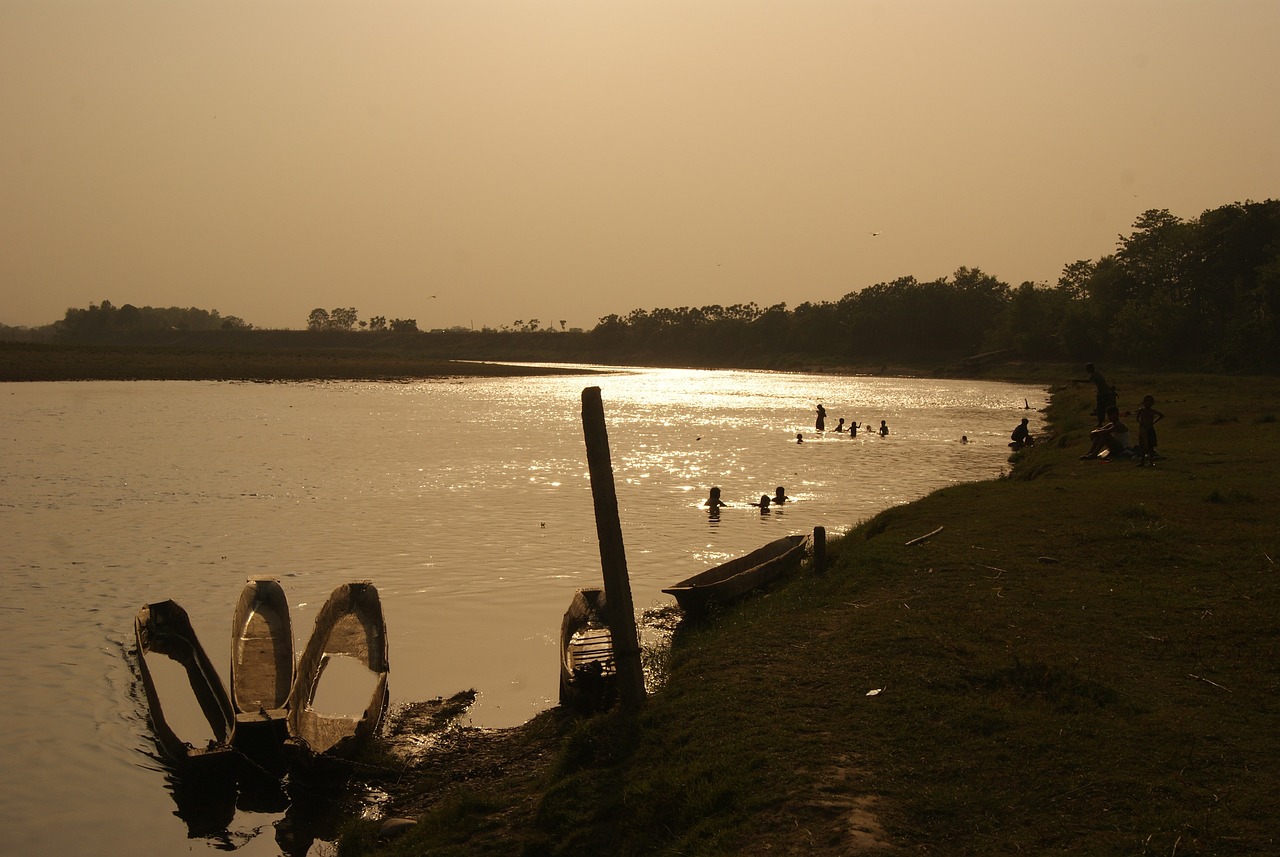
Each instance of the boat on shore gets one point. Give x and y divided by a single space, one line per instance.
261 669
588 674
736 578
164 633
349 628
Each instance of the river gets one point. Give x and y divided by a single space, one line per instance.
466 501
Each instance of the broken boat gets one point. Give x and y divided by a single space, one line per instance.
165 639
339 693
261 669
588 675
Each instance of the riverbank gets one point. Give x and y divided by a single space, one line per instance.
1082 660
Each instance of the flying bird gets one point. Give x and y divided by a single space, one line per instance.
874 234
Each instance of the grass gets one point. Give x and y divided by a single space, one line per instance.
1083 661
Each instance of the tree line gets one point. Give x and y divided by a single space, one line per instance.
1189 293
102 321
1201 293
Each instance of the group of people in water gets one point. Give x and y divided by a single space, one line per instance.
714 503
852 428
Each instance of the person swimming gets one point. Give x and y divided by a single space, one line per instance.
713 500
884 429
840 425
764 503
780 496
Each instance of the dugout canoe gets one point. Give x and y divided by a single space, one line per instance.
736 578
164 633
261 668
588 674
350 625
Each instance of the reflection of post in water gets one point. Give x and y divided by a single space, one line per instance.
613 558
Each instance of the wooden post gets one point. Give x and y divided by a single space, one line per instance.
820 549
613 558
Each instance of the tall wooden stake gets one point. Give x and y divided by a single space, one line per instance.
613 558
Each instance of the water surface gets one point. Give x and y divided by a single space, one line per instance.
466 501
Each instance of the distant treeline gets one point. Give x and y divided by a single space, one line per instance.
1201 293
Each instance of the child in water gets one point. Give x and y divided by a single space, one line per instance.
713 501
779 496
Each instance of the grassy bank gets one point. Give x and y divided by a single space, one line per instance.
1083 660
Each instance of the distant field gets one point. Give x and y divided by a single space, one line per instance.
40 362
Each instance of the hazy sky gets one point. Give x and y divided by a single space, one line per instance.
566 159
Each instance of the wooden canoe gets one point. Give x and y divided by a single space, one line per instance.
261 668
588 676
349 625
163 631
738 577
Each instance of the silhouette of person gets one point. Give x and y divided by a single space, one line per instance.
1105 396
1112 436
1147 416
780 496
799 437
840 425
853 428
1021 436
764 502
821 422
713 499
884 429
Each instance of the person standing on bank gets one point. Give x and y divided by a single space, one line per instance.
1104 397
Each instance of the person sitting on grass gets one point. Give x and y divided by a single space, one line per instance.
1111 437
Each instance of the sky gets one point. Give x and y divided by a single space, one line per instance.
481 162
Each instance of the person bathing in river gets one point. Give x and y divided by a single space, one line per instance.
764 502
821 423
840 425
780 496
884 429
853 428
713 500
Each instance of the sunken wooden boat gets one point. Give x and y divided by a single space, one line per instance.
349 628
261 669
738 577
588 675
164 634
